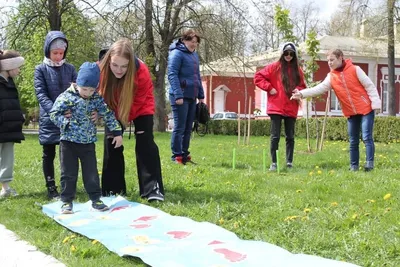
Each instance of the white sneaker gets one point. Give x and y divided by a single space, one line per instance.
8 193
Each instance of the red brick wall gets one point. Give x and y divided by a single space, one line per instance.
237 87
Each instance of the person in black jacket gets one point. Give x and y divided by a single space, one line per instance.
11 118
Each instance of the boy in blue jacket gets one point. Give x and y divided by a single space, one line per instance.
78 135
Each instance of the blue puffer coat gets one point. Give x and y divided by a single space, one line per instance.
49 83
183 73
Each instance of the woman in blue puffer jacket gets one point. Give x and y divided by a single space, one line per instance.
185 87
51 78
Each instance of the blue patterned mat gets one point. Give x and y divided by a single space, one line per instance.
163 240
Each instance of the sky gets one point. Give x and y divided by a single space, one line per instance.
326 8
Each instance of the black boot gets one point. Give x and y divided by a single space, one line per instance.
52 193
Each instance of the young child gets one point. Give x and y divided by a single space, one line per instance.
78 135
11 118
51 78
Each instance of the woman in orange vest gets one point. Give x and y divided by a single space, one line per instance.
358 98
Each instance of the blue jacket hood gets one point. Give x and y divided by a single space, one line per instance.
179 45
50 37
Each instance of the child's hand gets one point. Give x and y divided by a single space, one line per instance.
117 140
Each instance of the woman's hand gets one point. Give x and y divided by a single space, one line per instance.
68 114
179 101
117 140
94 116
273 91
296 95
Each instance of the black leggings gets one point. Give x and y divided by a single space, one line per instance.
147 161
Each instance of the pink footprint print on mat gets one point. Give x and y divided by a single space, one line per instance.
215 242
230 255
119 208
179 234
140 226
145 218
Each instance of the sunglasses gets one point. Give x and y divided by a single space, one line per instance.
288 53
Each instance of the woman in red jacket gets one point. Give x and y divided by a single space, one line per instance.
279 79
127 88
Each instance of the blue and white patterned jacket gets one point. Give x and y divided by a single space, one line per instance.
80 128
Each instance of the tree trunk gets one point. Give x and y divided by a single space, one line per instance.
54 16
159 93
391 84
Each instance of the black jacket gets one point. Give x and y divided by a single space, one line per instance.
11 117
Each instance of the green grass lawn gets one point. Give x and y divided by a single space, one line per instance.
317 208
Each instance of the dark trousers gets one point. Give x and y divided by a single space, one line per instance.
70 154
147 162
183 123
276 122
49 153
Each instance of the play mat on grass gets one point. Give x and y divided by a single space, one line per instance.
163 240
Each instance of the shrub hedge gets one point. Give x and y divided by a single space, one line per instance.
386 129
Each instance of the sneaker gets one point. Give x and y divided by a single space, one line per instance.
8 193
99 205
66 208
289 165
354 168
367 169
52 193
178 160
155 196
273 167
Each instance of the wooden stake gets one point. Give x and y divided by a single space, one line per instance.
248 126
238 122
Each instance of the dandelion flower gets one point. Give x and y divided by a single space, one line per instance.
317 167
355 216
319 171
298 191
334 204
221 221
66 239
370 201
73 248
236 225
307 210
387 196
311 173
94 242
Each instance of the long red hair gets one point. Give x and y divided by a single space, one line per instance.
118 93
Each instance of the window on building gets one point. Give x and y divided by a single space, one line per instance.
385 97
335 105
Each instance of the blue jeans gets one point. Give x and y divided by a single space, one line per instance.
366 124
183 122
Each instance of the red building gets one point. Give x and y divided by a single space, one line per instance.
231 80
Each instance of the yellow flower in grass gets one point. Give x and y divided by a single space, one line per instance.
387 196
299 191
305 218
311 173
307 210
94 242
317 167
66 239
319 172
355 216
221 221
331 172
236 225
291 218
367 214
370 201
388 209
73 248
334 204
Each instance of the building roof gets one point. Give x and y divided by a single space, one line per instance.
351 47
